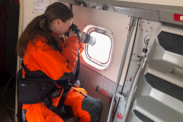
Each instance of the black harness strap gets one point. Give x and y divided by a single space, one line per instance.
47 99
78 63
61 102
60 111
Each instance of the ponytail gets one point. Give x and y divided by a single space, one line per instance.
38 26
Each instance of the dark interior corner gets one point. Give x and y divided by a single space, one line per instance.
9 18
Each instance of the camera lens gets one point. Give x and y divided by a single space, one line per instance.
88 39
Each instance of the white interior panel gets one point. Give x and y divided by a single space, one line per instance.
27 11
158 2
117 24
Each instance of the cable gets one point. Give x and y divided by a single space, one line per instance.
135 60
4 102
17 2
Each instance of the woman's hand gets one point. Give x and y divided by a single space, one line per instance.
72 33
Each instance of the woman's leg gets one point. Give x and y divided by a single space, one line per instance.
86 108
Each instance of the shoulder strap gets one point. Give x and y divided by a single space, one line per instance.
33 74
78 63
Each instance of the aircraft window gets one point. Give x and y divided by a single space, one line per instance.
100 54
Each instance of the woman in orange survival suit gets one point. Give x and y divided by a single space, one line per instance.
42 50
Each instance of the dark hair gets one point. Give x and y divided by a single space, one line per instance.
38 26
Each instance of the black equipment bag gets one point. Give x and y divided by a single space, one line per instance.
37 85
38 89
34 90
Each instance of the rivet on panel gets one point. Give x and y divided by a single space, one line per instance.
139 25
141 29
148 22
146 30
151 27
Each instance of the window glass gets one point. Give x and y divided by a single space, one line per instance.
101 50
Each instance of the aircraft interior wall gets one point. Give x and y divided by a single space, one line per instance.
91 77
160 62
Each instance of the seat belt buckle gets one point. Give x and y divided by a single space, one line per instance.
47 101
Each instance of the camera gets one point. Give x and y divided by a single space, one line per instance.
87 39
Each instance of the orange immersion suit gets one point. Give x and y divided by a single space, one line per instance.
54 64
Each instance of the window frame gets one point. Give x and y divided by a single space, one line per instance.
94 60
91 61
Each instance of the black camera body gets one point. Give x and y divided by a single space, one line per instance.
87 39
74 28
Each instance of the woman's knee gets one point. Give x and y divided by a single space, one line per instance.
93 106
